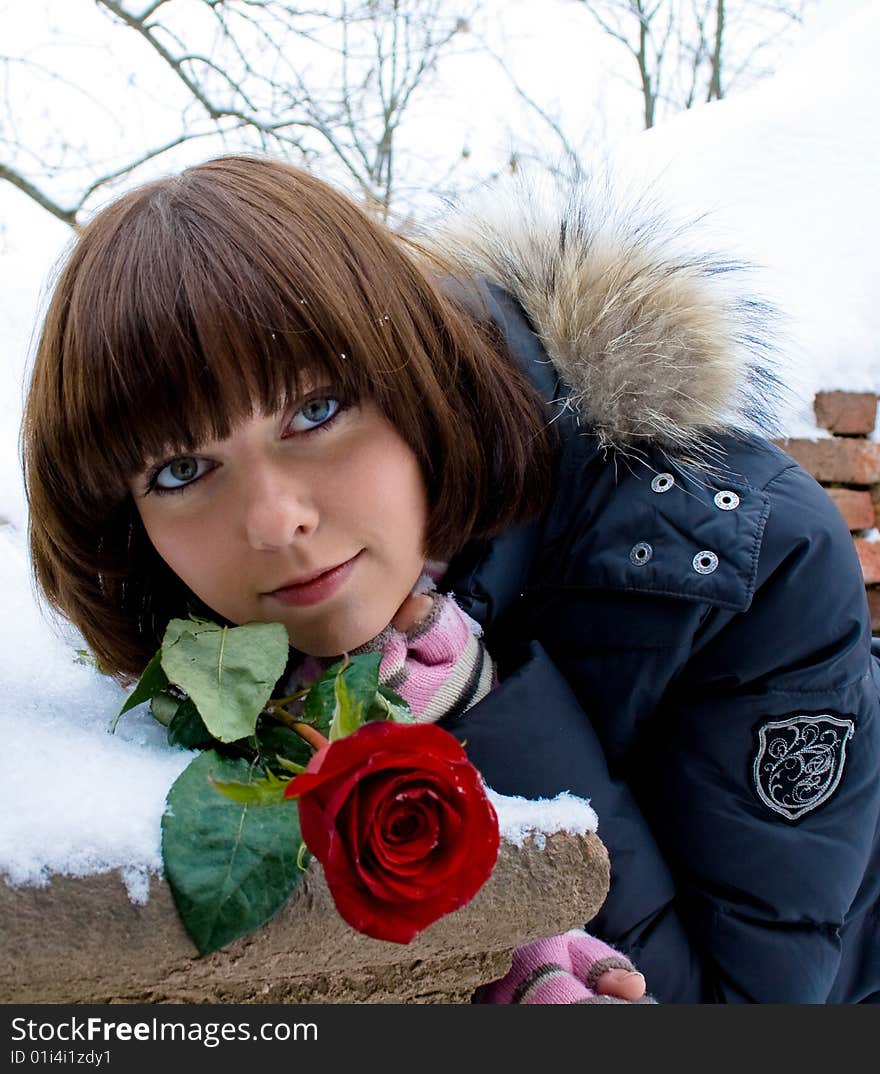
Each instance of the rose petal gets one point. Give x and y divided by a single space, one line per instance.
400 820
424 743
420 833
408 828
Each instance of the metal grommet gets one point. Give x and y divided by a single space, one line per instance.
662 482
640 553
705 562
726 500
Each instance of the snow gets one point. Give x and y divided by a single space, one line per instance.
519 818
75 799
788 173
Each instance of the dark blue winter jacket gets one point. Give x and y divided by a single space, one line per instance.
689 648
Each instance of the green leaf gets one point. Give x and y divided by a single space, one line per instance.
361 674
231 865
187 728
148 685
228 672
387 705
275 741
263 791
346 714
396 700
290 766
163 707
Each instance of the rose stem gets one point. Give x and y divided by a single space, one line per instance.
311 734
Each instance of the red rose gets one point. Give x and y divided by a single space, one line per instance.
399 819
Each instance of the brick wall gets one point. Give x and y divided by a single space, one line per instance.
848 466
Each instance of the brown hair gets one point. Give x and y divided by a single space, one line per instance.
196 300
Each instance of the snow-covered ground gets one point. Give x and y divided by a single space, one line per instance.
788 173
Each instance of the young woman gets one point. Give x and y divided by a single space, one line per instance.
525 466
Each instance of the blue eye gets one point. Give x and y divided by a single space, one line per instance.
320 409
179 473
313 416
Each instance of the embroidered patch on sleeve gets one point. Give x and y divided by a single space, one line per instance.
799 762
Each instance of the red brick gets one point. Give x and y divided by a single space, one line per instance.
856 507
837 460
846 412
869 557
873 593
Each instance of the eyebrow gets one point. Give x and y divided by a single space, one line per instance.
171 451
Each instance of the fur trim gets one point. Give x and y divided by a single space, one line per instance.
655 342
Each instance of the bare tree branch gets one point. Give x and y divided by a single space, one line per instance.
176 65
678 47
715 91
131 165
334 82
68 216
568 149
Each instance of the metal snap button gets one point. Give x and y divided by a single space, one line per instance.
726 500
662 482
640 553
705 562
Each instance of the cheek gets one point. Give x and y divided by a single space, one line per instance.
188 549
390 487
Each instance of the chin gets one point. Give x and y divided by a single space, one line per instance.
335 643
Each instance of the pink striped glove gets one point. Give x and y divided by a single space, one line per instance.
439 666
559 969
562 969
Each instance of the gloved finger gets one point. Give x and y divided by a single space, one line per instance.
414 610
625 984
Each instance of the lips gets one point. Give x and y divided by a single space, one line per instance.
315 587
306 578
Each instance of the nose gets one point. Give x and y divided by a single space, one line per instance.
278 508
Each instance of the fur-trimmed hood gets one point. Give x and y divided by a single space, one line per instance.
658 343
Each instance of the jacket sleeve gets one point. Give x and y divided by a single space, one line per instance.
716 896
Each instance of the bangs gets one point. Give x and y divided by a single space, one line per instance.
195 310
194 370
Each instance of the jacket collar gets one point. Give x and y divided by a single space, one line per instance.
488 576
653 343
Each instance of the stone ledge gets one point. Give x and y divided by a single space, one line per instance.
83 941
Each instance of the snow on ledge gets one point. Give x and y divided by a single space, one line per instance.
519 818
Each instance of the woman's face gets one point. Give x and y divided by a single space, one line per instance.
283 498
